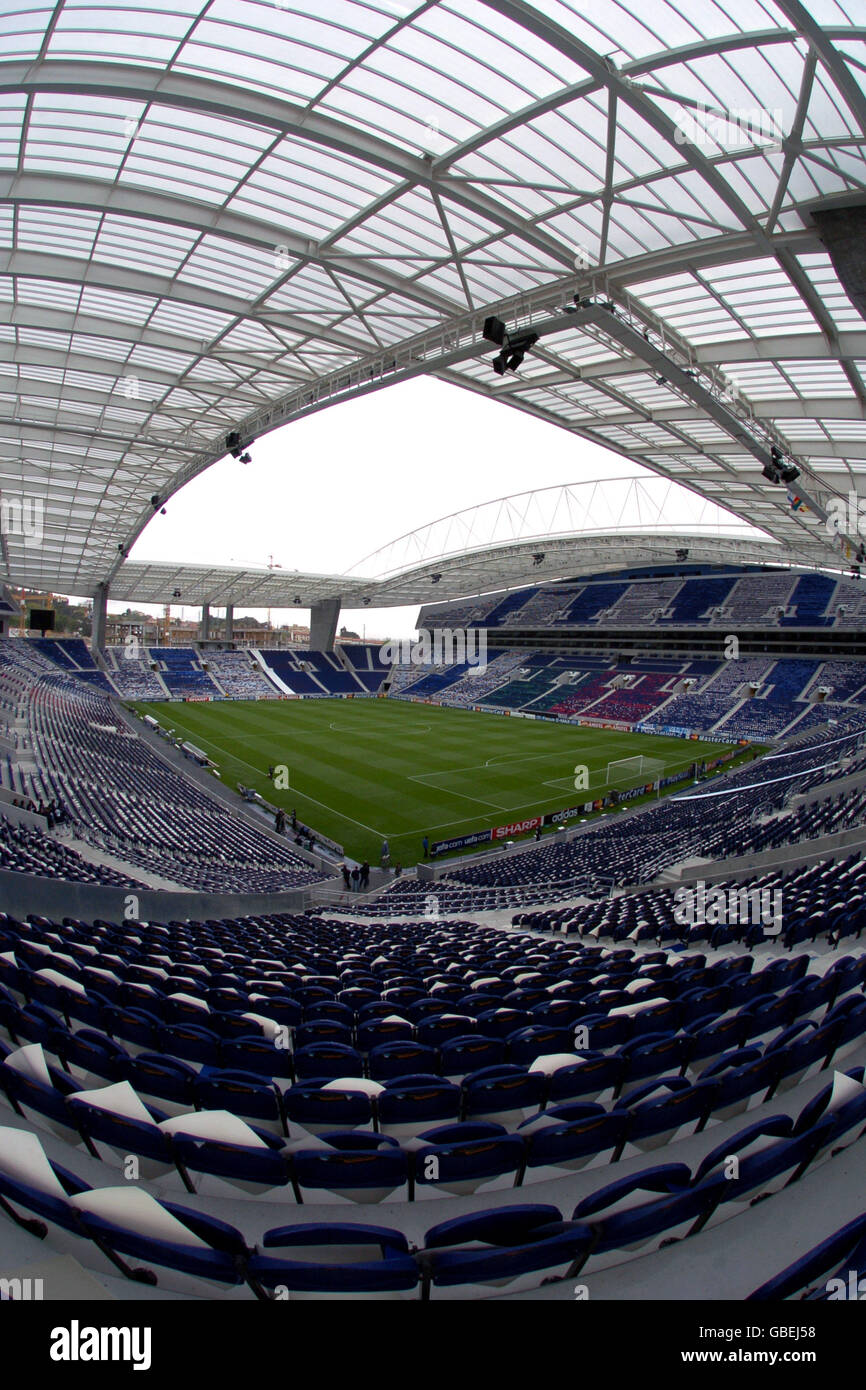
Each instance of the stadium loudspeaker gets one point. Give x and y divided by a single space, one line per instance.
494 330
843 232
41 620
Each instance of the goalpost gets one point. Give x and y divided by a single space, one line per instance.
622 771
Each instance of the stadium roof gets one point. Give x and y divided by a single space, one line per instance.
526 538
460 575
221 215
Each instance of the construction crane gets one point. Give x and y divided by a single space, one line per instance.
272 565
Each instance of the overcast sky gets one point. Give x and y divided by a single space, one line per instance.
323 493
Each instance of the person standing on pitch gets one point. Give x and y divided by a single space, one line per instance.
425 844
386 854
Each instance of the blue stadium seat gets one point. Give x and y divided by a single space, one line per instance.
360 1174
334 1260
590 1078
462 1166
502 1093
470 1053
407 1106
657 1110
321 1108
673 1207
245 1166
241 1093
400 1059
325 1061
376 1032
572 1144
847 1245
508 1249
762 1166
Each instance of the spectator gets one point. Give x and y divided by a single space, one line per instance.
398 870
365 875
356 879
344 870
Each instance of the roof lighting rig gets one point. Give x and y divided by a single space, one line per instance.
513 346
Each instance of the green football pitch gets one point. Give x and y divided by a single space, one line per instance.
367 770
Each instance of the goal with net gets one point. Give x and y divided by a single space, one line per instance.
629 771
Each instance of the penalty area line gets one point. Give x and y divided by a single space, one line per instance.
447 791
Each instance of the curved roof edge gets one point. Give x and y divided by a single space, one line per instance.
474 571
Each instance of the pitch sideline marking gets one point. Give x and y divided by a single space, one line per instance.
305 795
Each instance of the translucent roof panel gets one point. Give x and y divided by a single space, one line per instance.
222 214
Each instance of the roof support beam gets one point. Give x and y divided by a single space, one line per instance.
228 102
97 195
128 280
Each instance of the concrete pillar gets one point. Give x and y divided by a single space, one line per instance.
204 628
100 613
323 624
843 232
230 623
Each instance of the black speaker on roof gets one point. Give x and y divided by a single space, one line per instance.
494 330
41 620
